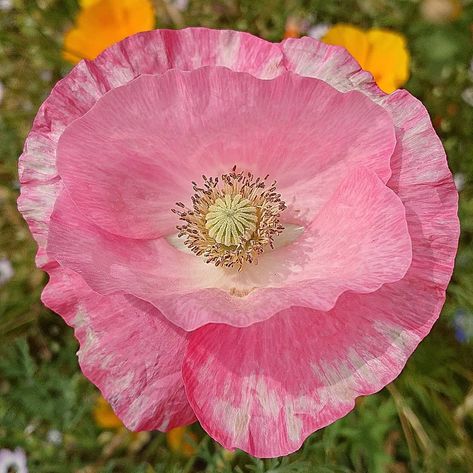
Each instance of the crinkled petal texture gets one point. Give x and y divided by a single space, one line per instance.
128 349
265 356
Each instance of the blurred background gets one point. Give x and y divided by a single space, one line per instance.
53 420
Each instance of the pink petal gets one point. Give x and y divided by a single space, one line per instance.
365 340
265 388
182 286
127 349
159 133
152 52
358 242
420 174
146 53
425 185
333 64
157 51
36 203
267 401
110 264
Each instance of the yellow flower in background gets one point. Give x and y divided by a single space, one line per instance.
383 53
101 23
181 441
104 416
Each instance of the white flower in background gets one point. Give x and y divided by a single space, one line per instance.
6 4
440 11
30 428
46 75
181 5
2 88
459 179
54 437
13 460
318 31
467 96
6 273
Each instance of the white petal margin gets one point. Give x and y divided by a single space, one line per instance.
265 388
127 349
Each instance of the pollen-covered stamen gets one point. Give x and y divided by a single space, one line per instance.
232 220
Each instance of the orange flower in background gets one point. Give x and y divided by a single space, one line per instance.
295 27
104 416
383 53
101 23
292 28
87 3
181 441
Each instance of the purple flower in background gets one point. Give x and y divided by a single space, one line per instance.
463 325
15 460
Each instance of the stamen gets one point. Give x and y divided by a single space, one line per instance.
232 220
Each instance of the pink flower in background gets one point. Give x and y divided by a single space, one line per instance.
316 235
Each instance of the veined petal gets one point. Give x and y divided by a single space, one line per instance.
152 52
159 133
353 39
127 349
265 388
312 271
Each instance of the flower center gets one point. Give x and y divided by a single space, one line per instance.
233 219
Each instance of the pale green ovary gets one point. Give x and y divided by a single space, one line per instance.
231 220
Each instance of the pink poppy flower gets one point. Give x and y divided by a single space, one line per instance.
355 240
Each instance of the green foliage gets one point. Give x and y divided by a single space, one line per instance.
422 423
